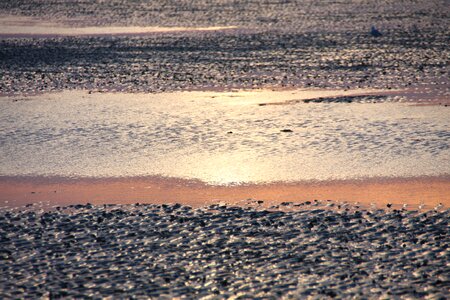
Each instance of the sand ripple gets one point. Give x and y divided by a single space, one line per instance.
175 251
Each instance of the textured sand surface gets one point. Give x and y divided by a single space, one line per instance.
344 128
173 251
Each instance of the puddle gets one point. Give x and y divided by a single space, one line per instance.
223 138
31 27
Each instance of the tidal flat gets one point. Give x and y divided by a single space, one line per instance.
235 149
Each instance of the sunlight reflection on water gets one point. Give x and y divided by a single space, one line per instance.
221 138
22 25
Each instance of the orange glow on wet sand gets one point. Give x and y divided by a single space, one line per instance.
58 191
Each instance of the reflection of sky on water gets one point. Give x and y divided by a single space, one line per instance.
220 137
21 25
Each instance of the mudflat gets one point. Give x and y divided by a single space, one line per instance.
224 149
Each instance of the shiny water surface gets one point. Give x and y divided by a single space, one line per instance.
222 137
15 25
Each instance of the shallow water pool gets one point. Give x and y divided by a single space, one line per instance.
221 137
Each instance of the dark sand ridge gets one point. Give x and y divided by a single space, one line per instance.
423 96
18 191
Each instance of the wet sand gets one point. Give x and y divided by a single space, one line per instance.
346 238
18 191
222 252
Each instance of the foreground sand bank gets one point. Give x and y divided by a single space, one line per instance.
223 252
18 191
